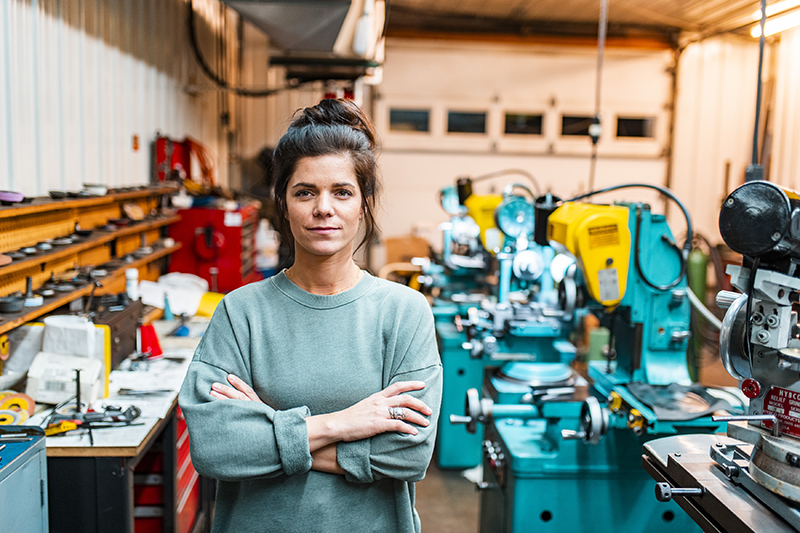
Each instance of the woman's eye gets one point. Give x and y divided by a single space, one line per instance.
344 192
301 194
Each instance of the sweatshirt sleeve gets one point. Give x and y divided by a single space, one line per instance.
232 440
399 455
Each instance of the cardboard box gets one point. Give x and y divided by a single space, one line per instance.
402 249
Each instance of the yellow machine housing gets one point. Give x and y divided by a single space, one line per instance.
598 236
481 209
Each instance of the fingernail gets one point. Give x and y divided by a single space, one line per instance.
215 386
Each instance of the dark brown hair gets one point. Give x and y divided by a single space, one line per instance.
333 126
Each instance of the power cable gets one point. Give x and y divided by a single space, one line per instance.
755 171
220 82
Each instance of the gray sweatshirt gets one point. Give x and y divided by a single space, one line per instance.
307 354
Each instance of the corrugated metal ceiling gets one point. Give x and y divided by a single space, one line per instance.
570 17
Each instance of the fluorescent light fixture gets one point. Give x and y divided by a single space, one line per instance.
777 7
777 25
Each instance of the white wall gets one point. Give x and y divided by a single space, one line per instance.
785 164
440 75
80 78
717 82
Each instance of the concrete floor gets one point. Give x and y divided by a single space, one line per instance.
446 502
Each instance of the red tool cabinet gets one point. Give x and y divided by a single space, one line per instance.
217 239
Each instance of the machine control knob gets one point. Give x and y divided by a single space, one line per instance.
678 296
490 345
680 336
751 388
485 485
726 298
664 492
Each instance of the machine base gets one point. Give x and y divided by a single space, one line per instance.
685 461
545 484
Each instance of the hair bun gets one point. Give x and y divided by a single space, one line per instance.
337 112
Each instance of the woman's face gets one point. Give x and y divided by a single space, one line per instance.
323 205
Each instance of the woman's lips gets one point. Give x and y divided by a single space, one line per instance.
322 230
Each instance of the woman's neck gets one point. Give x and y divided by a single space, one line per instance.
324 276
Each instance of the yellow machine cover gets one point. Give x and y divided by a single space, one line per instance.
481 209
598 236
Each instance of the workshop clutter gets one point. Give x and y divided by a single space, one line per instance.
70 343
15 408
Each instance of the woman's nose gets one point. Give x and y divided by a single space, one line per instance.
323 206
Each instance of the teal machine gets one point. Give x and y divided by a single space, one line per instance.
515 326
567 458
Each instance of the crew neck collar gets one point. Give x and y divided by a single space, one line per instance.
322 301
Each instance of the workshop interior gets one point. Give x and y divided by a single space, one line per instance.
600 200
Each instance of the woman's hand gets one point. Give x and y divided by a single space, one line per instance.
239 391
372 415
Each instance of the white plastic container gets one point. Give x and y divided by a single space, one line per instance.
132 283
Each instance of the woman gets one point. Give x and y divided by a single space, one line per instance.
313 395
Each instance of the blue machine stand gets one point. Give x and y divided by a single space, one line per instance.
23 480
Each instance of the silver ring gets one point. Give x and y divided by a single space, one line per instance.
397 413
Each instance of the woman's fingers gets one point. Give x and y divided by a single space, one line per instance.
402 386
239 391
401 427
412 417
244 388
406 400
223 392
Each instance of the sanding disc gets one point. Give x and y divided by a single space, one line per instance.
10 418
18 402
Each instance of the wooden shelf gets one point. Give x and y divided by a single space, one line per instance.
13 320
44 204
102 237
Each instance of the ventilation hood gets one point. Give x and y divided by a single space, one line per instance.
322 28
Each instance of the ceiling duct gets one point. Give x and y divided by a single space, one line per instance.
320 39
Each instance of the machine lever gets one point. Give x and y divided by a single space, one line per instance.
776 430
664 492
485 485
569 434
459 419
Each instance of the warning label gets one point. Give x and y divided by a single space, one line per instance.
603 236
785 405
609 284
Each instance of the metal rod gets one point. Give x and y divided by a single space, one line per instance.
776 432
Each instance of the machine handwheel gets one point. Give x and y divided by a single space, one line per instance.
594 421
732 350
473 410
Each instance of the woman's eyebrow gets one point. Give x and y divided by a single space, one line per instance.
307 185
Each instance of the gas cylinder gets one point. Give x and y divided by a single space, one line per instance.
697 272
